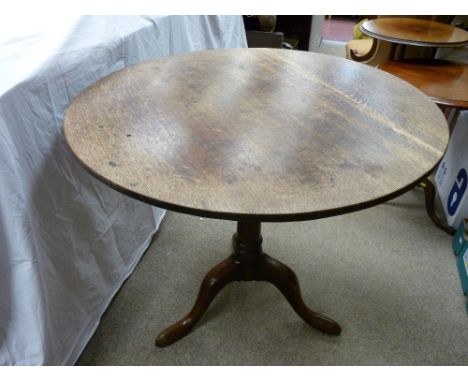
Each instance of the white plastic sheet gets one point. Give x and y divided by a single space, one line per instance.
67 242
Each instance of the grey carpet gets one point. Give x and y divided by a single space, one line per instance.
386 274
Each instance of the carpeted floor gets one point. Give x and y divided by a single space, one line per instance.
386 274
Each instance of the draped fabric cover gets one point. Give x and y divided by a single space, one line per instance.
67 241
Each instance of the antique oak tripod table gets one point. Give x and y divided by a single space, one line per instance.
255 135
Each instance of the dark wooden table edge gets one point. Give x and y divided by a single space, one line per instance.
276 218
396 40
459 104
462 105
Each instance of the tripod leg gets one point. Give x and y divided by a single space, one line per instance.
216 279
284 278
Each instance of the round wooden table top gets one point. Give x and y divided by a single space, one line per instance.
415 32
445 82
256 134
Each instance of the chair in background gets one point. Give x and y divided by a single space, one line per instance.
365 49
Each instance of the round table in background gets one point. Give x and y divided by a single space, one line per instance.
445 82
418 32
255 135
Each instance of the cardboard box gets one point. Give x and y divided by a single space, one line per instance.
451 178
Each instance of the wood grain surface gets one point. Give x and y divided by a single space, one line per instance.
256 134
445 82
415 32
